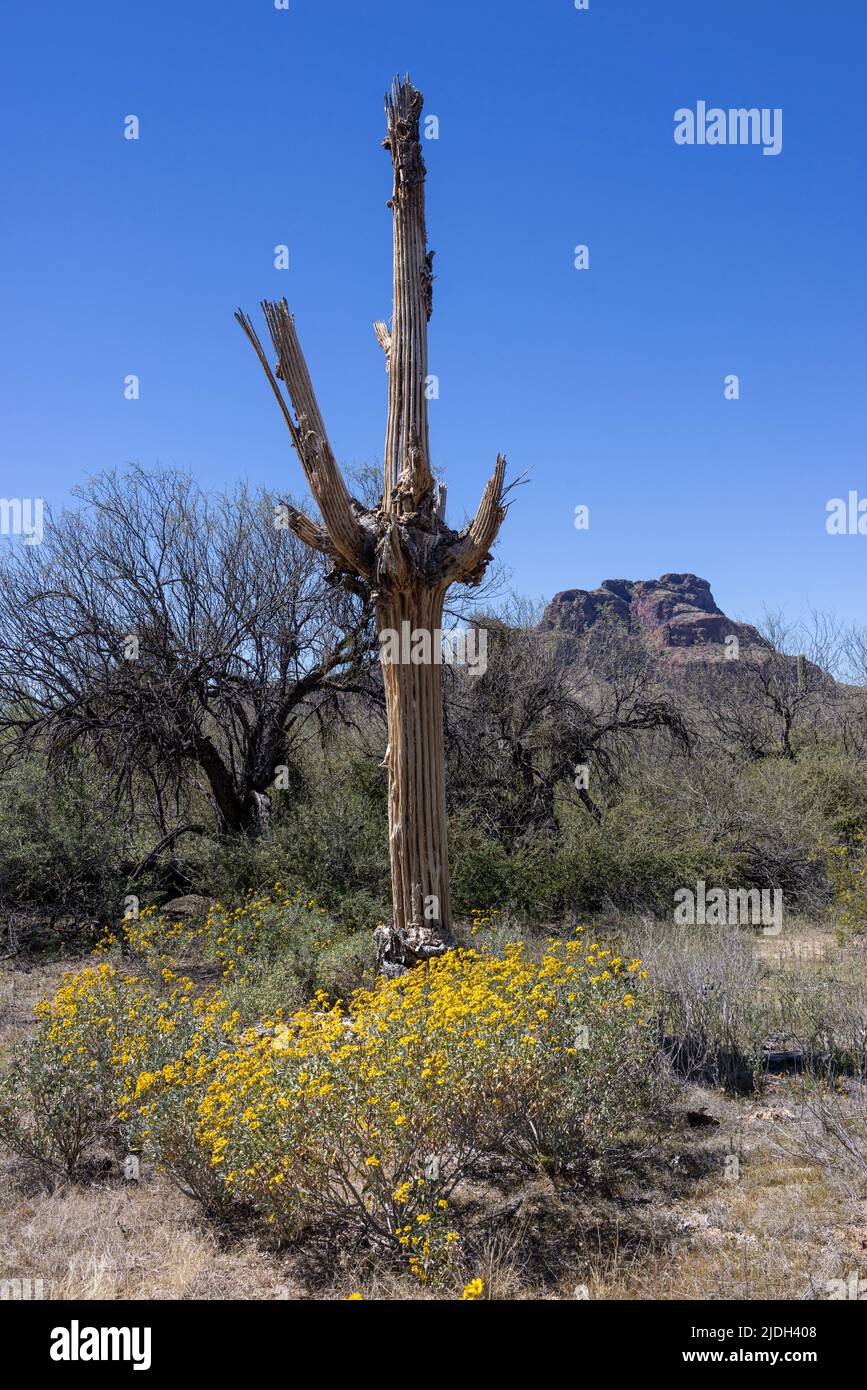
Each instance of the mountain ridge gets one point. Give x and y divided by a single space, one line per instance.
677 612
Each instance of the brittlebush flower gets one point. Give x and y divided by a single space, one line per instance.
287 1116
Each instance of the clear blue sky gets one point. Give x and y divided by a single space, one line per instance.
261 127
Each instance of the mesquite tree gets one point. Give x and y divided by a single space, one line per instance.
402 552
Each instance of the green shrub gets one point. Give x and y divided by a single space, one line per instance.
346 966
60 844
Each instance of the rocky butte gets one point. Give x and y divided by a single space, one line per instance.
676 612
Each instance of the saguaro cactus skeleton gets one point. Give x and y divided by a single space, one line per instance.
402 554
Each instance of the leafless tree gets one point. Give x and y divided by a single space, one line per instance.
171 631
552 711
774 696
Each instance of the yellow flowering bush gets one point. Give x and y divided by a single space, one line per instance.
101 1042
274 949
367 1113
378 1110
58 1095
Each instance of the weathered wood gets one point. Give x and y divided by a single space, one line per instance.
402 553
418 833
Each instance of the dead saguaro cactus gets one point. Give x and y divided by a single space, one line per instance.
402 553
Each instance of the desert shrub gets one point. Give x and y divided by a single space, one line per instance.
58 1095
348 965
822 1006
268 928
818 1006
627 864
273 951
265 989
262 979
280 950
832 1132
665 823
480 868
171 1040
60 841
367 1113
492 931
329 836
847 868
713 1017
77 1084
827 792
373 1114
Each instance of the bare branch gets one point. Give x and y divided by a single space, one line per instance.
383 337
309 435
467 558
253 336
306 530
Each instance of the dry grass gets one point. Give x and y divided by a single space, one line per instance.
113 1242
780 1231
